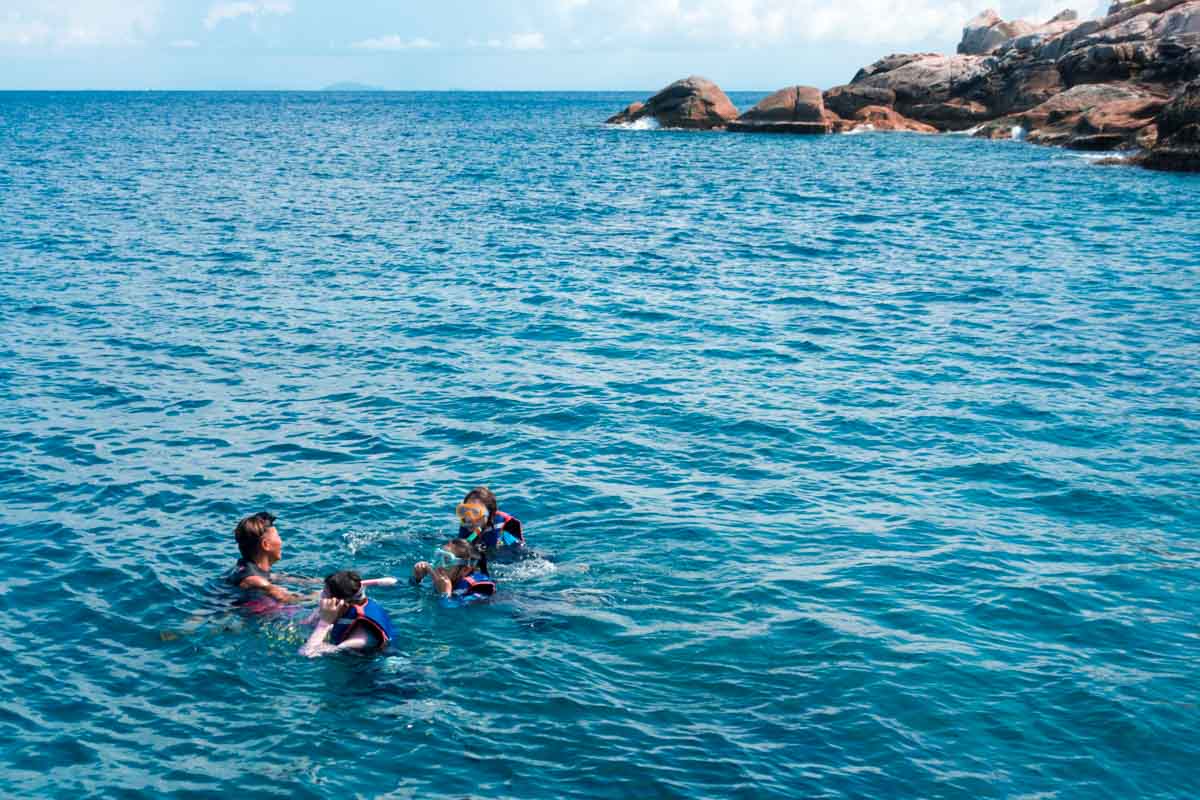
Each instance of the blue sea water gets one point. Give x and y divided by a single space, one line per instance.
859 467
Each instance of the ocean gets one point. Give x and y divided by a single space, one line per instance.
854 466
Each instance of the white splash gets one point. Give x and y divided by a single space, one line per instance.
1019 133
529 569
358 540
643 124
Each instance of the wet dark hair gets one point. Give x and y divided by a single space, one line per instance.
249 533
483 494
344 585
461 548
473 553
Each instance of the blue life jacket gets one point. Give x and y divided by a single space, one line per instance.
370 614
505 530
477 583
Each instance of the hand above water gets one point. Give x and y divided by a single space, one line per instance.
331 608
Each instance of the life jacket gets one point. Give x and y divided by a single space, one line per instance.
246 569
505 530
370 614
476 583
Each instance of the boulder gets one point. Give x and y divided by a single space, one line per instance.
987 31
881 118
628 115
694 102
793 104
1178 127
889 63
1182 20
1076 101
1087 117
796 109
1100 63
846 101
929 81
1018 84
953 115
1178 61
1131 120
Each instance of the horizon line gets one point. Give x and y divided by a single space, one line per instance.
325 90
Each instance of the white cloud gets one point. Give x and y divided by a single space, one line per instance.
71 23
738 23
16 30
516 41
527 41
185 44
226 11
395 42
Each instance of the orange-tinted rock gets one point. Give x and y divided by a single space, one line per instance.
793 104
628 115
888 119
796 109
693 102
1125 117
1089 117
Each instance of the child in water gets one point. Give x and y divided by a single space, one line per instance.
460 570
482 523
348 620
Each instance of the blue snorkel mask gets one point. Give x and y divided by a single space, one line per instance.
444 559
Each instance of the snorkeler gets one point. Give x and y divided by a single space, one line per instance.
260 546
348 619
482 523
460 570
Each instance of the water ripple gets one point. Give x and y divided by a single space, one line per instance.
856 466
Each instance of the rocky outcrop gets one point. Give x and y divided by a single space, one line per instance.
1177 147
694 102
1127 80
796 109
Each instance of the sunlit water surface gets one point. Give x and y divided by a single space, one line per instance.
861 466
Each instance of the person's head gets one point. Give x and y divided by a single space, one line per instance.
345 585
257 537
460 557
483 496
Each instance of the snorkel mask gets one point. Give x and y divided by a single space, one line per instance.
472 516
444 559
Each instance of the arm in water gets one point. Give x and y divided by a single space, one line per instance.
299 579
272 590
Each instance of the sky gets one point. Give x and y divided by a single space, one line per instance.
746 45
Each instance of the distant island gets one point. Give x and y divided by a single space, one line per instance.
351 86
